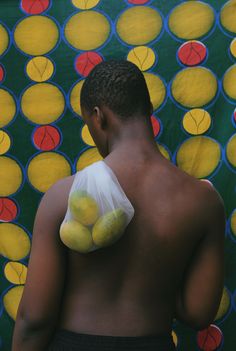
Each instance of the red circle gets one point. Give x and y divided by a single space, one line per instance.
85 62
192 53
8 209
35 7
155 125
138 2
2 73
46 138
210 338
235 115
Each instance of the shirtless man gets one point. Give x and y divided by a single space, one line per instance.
168 264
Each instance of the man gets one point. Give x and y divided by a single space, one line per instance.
169 262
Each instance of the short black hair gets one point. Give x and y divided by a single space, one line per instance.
119 85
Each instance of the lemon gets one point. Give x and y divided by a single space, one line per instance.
76 236
109 227
83 207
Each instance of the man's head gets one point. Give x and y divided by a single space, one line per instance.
114 90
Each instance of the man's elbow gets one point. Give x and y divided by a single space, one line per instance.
200 321
197 318
29 325
31 334
199 324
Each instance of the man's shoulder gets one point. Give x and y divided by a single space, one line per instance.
58 194
201 192
204 196
211 196
61 186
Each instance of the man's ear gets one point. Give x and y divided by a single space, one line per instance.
100 117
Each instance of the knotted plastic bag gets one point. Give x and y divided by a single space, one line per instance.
98 210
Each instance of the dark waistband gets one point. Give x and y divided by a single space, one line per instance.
155 341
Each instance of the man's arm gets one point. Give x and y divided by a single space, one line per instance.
39 308
198 300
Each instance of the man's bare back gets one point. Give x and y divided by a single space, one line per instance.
169 262
130 288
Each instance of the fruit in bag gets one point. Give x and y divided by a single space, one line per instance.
83 207
76 236
109 227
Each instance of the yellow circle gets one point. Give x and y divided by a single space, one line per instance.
43 103
14 241
230 150
224 305
36 35
87 158
15 272
233 47
199 156
40 69
229 82
47 168
191 20
156 89
12 299
142 56
139 25
228 16
75 97
197 121
85 4
163 150
233 222
4 40
87 30
194 86
11 176
86 136
7 107
5 142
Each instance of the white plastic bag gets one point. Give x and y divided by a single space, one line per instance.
98 210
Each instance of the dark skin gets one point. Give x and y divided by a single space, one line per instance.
168 264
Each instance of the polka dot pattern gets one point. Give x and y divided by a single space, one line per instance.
86 61
146 25
35 7
142 56
85 4
191 19
40 27
7 107
46 168
196 121
39 69
199 156
186 85
187 53
4 39
81 35
192 53
42 103
14 241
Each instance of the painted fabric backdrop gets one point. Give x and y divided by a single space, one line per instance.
187 52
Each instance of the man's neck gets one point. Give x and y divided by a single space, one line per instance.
134 139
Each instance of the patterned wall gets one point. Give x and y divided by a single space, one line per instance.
187 51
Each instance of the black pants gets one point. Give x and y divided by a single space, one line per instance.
65 340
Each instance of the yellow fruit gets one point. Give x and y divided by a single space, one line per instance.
109 228
76 236
83 207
